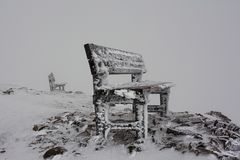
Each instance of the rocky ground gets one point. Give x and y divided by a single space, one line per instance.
211 133
60 126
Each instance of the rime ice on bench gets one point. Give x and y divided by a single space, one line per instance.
104 61
55 86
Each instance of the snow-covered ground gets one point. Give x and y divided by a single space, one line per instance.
26 107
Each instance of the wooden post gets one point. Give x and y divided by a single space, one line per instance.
135 78
164 100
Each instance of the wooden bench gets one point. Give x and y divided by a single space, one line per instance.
55 86
104 61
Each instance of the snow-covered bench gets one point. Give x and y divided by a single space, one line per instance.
105 61
53 85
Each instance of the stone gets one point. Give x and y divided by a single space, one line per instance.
53 152
9 91
219 115
39 127
2 150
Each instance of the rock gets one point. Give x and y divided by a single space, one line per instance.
76 153
9 91
2 150
131 149
91 126
79 124
134 148
78 92
39 127
175 132
219 115
54 151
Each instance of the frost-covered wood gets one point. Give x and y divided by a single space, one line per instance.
104 61
115 60
55 86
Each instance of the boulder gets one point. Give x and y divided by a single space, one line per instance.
54 151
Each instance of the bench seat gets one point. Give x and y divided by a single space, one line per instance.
148 85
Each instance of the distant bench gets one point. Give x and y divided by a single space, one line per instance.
53 85
104 61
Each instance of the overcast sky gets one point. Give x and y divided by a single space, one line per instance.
195 44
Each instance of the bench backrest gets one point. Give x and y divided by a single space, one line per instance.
51 78
116 61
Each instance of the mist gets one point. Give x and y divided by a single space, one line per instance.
195 44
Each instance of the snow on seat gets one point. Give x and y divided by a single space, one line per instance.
141 85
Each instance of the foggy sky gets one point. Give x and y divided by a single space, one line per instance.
194 44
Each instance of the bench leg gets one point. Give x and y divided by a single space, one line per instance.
102 129
164 101
99 118
140 117
145 120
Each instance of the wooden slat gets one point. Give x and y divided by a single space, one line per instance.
155 108
151 85
117 61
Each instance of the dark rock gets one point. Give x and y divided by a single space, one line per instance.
54 151
175 132
83 120
82 144
78 123
133 148
2 150
78 92
77 154
197 136
91 126
39 127
9 91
